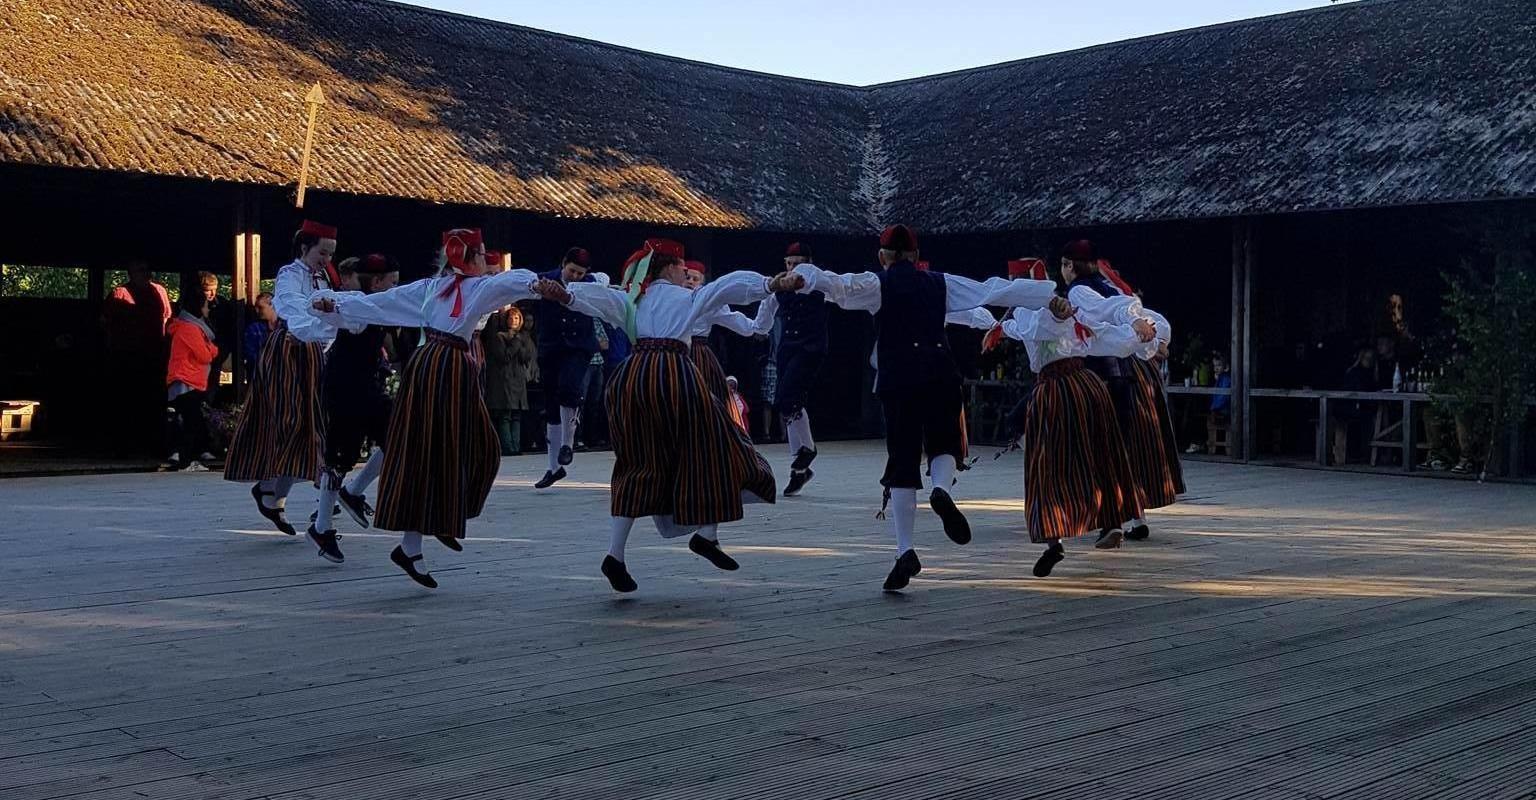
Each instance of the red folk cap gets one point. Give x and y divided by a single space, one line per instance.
577 256
376 264
798 249
312 228
1078 250
493 257
696 266
899 238
665 247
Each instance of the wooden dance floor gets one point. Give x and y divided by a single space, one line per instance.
1285 634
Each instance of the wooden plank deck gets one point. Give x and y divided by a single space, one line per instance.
1285 634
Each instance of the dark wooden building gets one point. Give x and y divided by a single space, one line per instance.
1266 182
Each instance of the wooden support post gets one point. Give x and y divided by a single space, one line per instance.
1248 368
1239 437
1321 453
1409 445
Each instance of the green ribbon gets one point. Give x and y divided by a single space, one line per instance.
634 279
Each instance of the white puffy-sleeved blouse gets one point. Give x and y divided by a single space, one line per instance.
666 310
292 295
429 302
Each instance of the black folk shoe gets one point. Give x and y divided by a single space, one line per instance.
451 543
327 543
907 567
356 506
408 564
1049 559
803 458
955 525
274 515
566 456
1140 533
798 478
618 577
550 478
711 550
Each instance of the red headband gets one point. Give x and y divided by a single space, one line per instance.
460 246
1027 268
317 230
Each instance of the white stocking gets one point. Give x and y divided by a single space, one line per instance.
903 514
368 474
942 470
619 536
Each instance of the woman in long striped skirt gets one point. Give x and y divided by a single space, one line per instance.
1150 378
280 436
1076 475
1153 466
703 356
443 452
678 458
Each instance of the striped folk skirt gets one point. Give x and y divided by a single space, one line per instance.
282 428
1076 475
1144 440
676 452
1154 379
443 453
709 369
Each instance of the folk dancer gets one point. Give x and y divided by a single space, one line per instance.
919 384
278 440
357 409
696 274
678 457
1136 399
442 453
802 347
566 343
1077 477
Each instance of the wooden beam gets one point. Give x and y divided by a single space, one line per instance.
1239 436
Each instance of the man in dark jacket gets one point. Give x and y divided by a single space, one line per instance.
802 347
566 342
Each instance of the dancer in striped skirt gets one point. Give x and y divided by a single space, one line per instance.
1076 474
1099 299
703 356
278 440
443 452
919 384
357 409
678 457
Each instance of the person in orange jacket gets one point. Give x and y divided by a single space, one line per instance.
186 380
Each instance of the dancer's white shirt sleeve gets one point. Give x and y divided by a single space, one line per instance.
766 311
978 318
293 297
962 294
599 300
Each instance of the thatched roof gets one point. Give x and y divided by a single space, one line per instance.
1380 102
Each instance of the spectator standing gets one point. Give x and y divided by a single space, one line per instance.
186 381
134 317
509 351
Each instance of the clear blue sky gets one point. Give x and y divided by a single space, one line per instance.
863 41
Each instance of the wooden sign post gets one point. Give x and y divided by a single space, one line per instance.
314 100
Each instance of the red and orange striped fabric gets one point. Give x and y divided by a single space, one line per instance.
283 425
1076 475
443 453
1153 379
676 451
1145 444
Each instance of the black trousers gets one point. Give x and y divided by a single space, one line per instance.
563 373
918 419
188 435
352 418
797 371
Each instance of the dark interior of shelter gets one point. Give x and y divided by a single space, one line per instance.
1301 232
